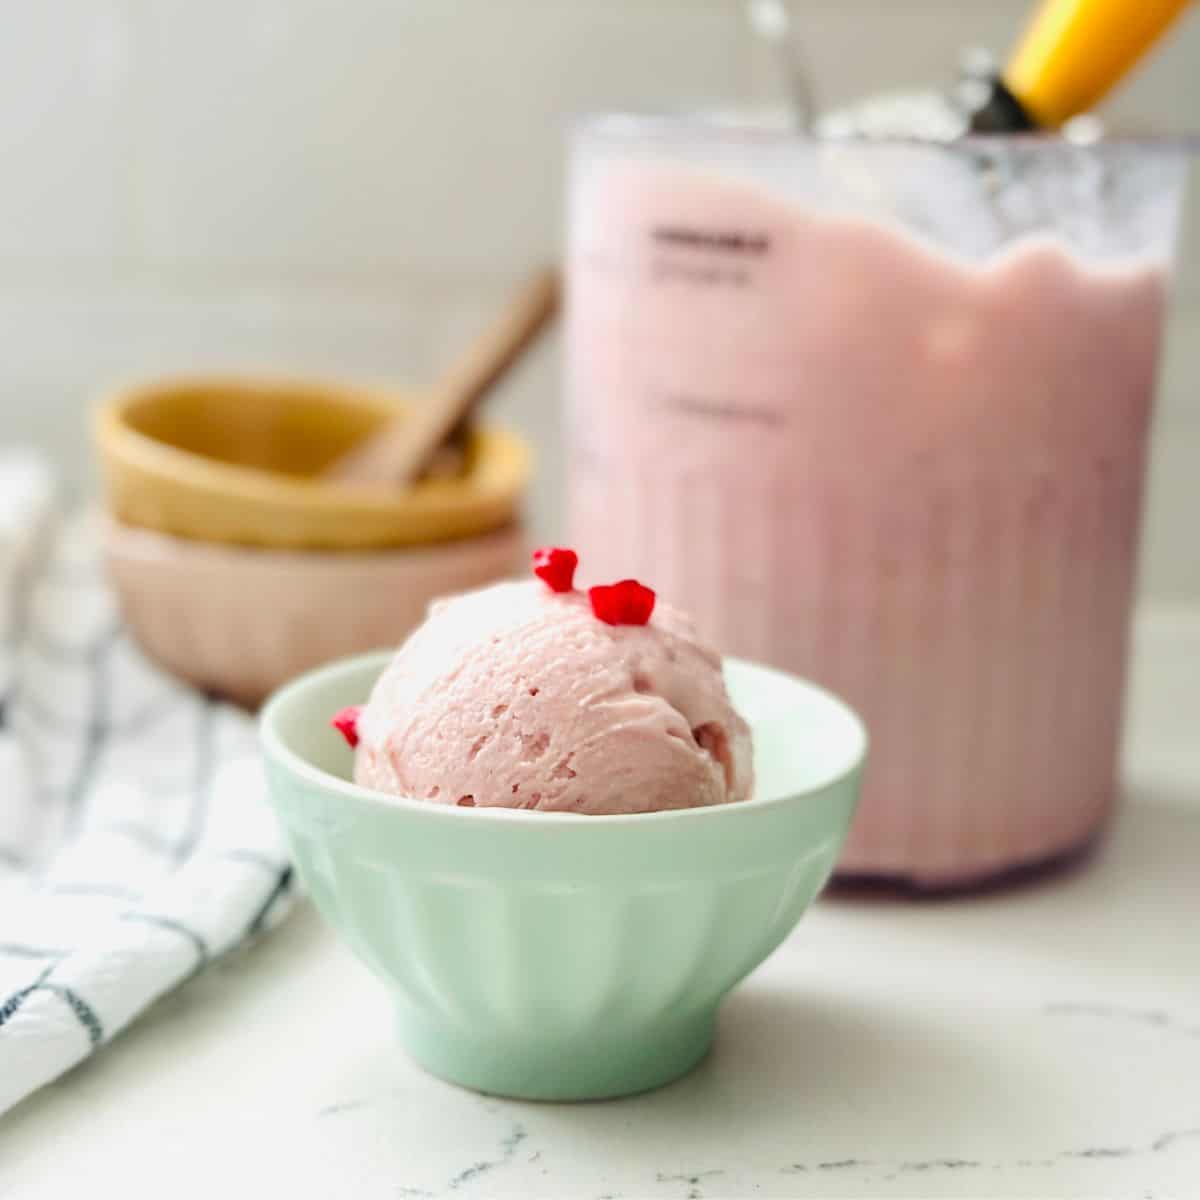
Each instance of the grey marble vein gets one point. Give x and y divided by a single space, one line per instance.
1158 1145
695 1181
345 1106
1152 1018
508 1146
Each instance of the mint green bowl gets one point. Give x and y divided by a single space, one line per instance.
554 956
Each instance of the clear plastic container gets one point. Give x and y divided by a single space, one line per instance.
877 413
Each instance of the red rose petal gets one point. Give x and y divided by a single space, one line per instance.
556 566
624 603
346 723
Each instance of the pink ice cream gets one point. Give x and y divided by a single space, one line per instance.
519 697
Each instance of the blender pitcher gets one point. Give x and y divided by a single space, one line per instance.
876 412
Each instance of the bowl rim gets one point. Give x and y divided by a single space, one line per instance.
276 749
140 543
118 439
739 124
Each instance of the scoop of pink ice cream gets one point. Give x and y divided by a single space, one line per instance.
519 697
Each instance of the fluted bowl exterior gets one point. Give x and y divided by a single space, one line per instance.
558 956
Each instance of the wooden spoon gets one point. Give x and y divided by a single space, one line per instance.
409 446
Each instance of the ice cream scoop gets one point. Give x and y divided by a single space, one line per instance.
534 696
1072 54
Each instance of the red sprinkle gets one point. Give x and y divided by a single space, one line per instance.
346 723
556 566
624 603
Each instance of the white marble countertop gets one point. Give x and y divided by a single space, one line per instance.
1042 1041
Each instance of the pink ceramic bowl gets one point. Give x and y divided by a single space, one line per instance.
240 621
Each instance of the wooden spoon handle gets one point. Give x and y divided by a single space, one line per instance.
400 452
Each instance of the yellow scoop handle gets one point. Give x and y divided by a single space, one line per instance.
1075 51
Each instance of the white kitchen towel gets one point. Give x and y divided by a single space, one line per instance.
136 844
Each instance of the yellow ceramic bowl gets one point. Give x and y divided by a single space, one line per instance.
236 459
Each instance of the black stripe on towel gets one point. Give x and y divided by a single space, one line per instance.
83 1011
281 886
46 716
202 776
164 922
112 891
148 839
96 730
20 950
10 858
46 645
12 1005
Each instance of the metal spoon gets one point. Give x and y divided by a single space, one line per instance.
772 21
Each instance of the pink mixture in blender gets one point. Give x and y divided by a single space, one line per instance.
905 464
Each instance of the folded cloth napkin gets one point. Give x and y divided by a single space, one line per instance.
136 844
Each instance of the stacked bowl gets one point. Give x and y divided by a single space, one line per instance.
238 565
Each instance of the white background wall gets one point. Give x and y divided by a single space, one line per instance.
347 186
